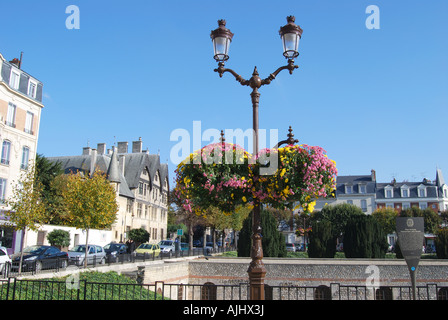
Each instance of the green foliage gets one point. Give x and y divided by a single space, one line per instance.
138 235
386 218
364 238
59 237
92 286
322 241
273 242
338 215
441 243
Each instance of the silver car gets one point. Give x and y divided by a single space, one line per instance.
95 255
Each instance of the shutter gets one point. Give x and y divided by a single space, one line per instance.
39 92
23 85
6 72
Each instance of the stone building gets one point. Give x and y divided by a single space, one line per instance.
141 181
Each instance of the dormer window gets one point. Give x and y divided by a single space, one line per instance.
405 191
348 189
421 191
389 192
14 80
362 188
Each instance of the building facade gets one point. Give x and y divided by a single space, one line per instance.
20 112
141 182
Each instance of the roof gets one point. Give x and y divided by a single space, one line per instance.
134 164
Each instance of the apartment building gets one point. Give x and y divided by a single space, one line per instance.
20 112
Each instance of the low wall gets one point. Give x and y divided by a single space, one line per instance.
315 272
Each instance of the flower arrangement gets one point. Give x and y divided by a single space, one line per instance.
217 175
224 175
303 174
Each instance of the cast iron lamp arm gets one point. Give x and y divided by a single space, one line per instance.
238 78
290 66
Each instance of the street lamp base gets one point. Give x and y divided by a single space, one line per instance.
256 281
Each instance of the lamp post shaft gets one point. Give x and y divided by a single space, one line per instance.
256 269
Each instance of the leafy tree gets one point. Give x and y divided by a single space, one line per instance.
386 218
59 238
90 202
138 236
322 241
338 215
27 211
273 242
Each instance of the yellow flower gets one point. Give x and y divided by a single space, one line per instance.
282 173
244 199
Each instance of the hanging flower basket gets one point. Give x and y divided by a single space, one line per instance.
302 174
217 175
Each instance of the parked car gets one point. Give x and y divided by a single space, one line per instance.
96 255
40 257
167 246
114 250
148 249
5 260
290 247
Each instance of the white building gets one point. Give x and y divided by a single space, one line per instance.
20 112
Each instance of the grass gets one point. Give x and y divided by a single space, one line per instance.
91 286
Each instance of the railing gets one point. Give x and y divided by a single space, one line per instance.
21 289
56 264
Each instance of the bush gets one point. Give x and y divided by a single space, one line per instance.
273 242
322 242
59 238
364 238
441 243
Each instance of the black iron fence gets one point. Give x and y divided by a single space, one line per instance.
31 267
73 289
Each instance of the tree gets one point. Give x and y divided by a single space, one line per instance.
27 210
364 238
50 175
90 202
322 241
441 243
273 242
138 236
386 218
59 238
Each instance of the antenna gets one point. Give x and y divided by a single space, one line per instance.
20 62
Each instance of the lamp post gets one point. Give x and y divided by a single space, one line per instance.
222 37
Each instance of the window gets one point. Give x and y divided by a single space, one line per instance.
362 189
423 206
421 191
14 80
388 193
32 89
350 201
25 158
11 117
364 205
29 122
6 149
405 193
2 189
140 188
348 189
405 206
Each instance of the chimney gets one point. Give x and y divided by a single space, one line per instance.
137 146
92 161
373 175
121 163
101 148
122 147
15 62
86 151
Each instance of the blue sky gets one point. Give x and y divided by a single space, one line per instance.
374 99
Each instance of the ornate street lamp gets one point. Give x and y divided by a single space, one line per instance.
221 37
